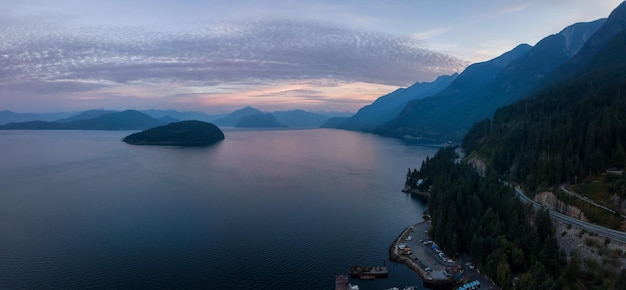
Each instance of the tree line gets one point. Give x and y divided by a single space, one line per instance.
482 217
564 133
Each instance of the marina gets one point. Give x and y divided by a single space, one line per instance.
432 265
434 273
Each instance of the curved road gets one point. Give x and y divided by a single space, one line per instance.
609 233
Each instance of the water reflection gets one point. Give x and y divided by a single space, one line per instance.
271 209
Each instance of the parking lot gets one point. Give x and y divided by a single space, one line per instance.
423 254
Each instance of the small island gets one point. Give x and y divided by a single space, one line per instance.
185 133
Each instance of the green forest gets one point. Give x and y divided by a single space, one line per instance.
564 133
569 131
512 243
184 133
481 216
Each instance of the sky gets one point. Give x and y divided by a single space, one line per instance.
217 56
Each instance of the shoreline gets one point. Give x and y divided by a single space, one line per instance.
435 272
422 194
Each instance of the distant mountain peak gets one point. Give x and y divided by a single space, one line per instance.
507 57
262 120
441 77
577 34
614 24
233 118
619 11
247 109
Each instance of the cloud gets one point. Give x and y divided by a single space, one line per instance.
511 9
284 95
429 33
55 57
221 52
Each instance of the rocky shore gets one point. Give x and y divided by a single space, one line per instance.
422 194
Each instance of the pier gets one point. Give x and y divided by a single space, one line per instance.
342 283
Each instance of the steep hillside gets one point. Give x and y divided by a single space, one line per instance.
530 72
389 106
414 120
565 132
444 119
613 26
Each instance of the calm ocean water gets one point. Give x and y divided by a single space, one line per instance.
285 209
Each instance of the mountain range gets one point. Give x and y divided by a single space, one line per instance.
443 109
100 119
252 117
249 117
13 117
385 108
90 120
571 128
437 115
456 102
263 120
66 117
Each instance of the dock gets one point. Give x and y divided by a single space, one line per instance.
342 283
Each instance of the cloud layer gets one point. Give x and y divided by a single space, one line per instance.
55 58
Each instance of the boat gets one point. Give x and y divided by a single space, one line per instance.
377 272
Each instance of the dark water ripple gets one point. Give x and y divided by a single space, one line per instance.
284 209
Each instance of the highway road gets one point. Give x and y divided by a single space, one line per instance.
602 231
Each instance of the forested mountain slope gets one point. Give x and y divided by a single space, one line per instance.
450 116
572 128
387 107
566 131
417 117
